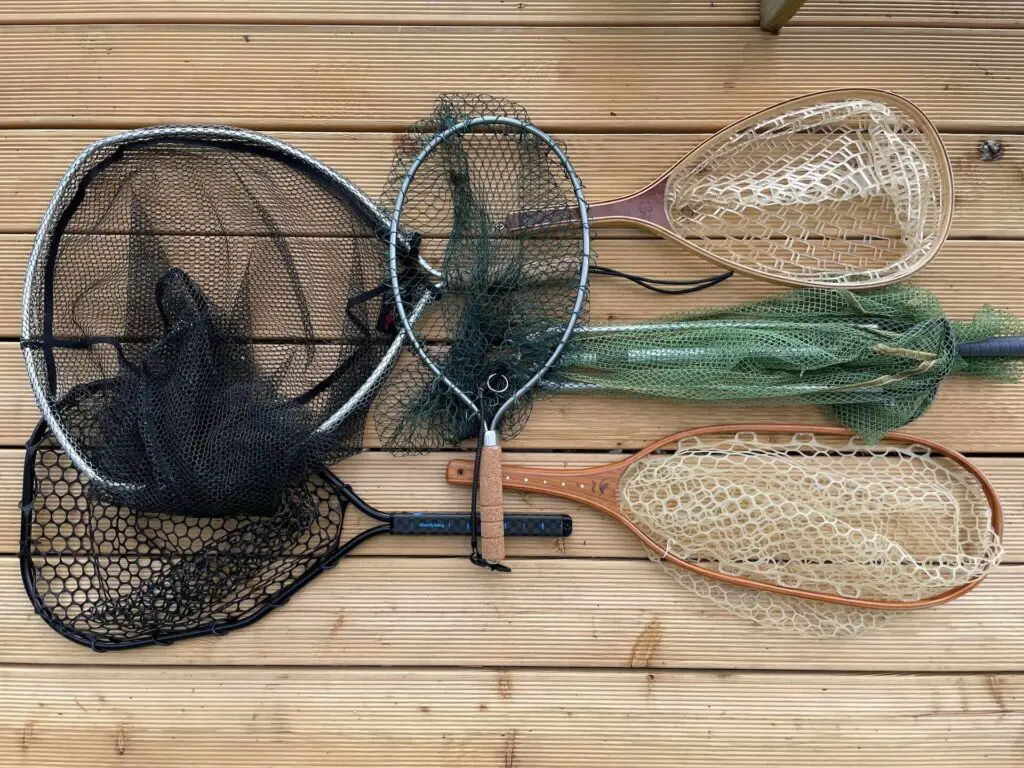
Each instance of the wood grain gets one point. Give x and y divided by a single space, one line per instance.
386 611
989 195
776 13
967 416
473 718
965 275
557 638
359 77
1007 14
534 12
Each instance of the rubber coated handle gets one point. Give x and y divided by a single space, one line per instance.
997 346
492 528
429 524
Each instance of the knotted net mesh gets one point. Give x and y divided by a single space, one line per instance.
504 294
204 321
845 191
874 360
894 522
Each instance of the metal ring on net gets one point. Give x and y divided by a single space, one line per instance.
113 258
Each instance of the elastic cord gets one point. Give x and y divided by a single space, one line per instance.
653 283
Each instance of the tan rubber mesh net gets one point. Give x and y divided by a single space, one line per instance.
844 192
887 522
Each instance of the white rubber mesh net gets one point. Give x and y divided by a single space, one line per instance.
845 192
891 521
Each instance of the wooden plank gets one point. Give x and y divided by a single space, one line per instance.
989 195
534 12
474 718
385 611
12 461
1008 14
1005 14
345 77
965 275
417 483
967 415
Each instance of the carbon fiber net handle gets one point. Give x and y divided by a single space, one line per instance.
440 524
997 346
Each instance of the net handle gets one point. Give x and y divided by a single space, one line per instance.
598 487
492 525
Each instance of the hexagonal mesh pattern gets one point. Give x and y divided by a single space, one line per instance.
891 522
107 576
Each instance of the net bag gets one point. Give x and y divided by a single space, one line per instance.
873 360
894 522
503 295
204 328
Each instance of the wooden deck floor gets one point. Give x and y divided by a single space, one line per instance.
586 655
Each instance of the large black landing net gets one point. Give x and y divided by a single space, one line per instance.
204 327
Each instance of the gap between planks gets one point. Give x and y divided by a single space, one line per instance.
968 416
394 483
392 611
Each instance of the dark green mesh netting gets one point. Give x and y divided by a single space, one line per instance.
500 288
873 360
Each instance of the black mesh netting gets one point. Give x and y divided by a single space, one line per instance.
204 308
105 575
505 291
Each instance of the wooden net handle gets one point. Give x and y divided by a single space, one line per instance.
492 519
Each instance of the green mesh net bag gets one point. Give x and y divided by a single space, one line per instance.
873 360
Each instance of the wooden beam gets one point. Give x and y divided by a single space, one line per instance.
968 416
1005 14
608 78
470 718
408 483
251 12
989 195
992 14
386 611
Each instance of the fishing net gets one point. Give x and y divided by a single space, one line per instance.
839 191
873 360
499 290
109 576
893 522
204 327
